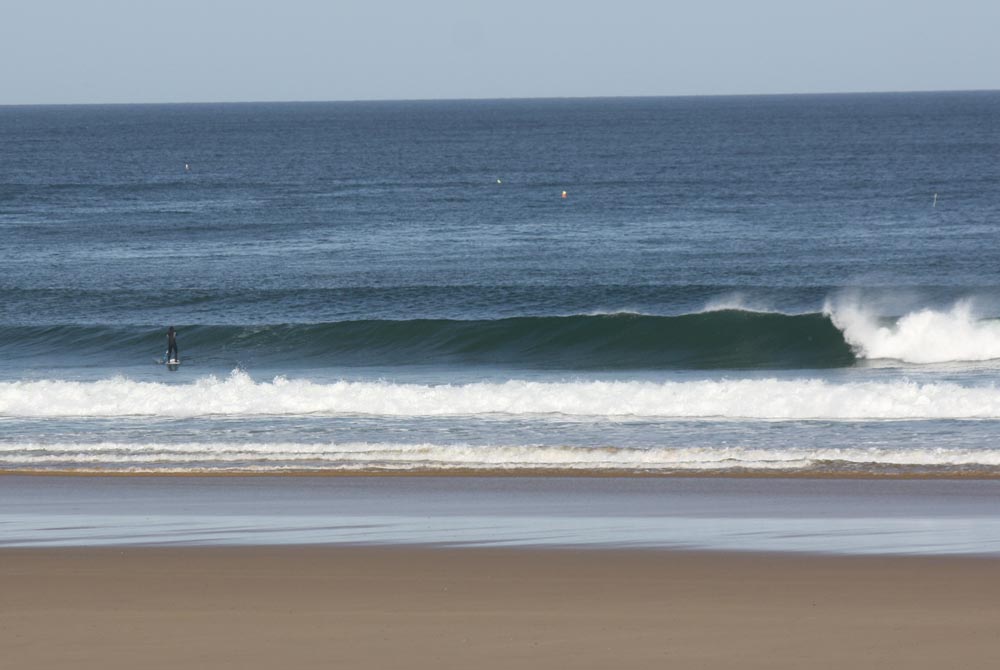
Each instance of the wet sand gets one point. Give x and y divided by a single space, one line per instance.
396 607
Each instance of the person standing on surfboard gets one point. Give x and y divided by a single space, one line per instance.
172 345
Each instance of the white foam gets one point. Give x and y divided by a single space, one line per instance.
368 456
239 395
924 336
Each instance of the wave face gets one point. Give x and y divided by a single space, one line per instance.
710 340
767 399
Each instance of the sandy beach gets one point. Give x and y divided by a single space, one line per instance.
393 607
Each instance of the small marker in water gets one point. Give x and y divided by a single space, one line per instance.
187 168
935 200
564 194
499 182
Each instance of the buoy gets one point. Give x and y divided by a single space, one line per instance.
187 168
499 182
935 200
564 194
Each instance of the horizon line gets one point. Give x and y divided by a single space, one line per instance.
497 99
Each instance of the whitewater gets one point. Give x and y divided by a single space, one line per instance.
923 336
277 457
767 399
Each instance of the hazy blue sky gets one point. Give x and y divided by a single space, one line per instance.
68 51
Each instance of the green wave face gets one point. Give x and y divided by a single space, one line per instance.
728 339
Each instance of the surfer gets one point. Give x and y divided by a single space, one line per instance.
172 345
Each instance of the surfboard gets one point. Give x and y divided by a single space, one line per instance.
171 363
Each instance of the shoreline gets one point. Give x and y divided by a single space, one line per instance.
255 607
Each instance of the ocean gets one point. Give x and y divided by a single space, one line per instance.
781 285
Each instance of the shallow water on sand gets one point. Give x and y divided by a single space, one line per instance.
836 516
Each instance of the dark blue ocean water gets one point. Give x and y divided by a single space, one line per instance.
790 282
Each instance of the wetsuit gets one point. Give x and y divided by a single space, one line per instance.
172 345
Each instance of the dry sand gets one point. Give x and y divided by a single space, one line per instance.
302 607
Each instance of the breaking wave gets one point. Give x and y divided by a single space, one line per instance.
723 336
923 336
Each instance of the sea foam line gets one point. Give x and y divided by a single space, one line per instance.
393 456
239 395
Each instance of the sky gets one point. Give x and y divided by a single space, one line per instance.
121 51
